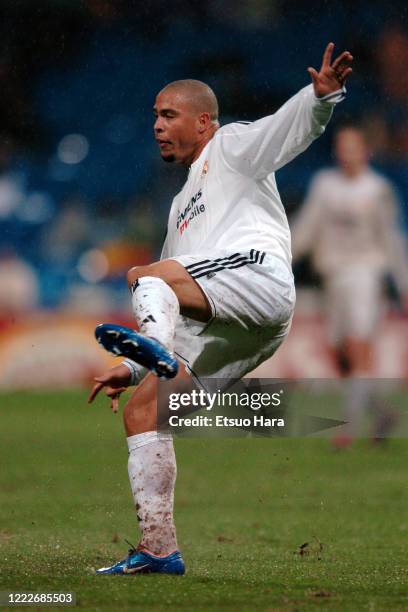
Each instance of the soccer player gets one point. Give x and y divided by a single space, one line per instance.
348 224
221 299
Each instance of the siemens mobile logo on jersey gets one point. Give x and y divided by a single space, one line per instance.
190 212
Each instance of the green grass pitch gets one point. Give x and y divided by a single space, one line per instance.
244 507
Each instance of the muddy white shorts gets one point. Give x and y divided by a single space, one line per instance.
252 297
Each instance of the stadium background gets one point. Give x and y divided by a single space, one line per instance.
83 192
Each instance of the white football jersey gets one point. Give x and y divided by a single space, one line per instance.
351 221
230 201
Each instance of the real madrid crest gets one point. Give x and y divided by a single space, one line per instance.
205 168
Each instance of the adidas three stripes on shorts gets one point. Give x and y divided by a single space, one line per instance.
252 297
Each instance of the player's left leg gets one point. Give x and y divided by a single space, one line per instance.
358 387
160 292
152 475
359 307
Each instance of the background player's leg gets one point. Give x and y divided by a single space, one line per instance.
353 301
357 355
364 394
359 386
152 469
363 313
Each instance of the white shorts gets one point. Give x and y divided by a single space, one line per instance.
252 297
354 303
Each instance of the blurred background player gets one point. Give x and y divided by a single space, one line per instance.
348 224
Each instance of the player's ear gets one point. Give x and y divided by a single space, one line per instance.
204 120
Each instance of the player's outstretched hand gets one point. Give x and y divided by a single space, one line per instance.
115 381
332 75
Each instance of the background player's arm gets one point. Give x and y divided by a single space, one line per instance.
393 240
307 223
271 142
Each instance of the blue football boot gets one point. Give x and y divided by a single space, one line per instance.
146 351
142 562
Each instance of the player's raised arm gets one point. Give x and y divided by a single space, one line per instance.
268 144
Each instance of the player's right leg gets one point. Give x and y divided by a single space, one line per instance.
152 475
355 308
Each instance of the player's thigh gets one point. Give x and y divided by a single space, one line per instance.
251 288
365 305
192 299
140 412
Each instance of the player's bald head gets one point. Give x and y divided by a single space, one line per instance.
186 118
196 94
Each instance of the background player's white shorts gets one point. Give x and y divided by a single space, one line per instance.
354 303
252 296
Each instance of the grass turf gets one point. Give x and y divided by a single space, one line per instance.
243 509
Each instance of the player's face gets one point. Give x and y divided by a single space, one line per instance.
176 127
351 150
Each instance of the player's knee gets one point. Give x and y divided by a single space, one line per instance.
137 272
170 272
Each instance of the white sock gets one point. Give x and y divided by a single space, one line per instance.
156 308
152 475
